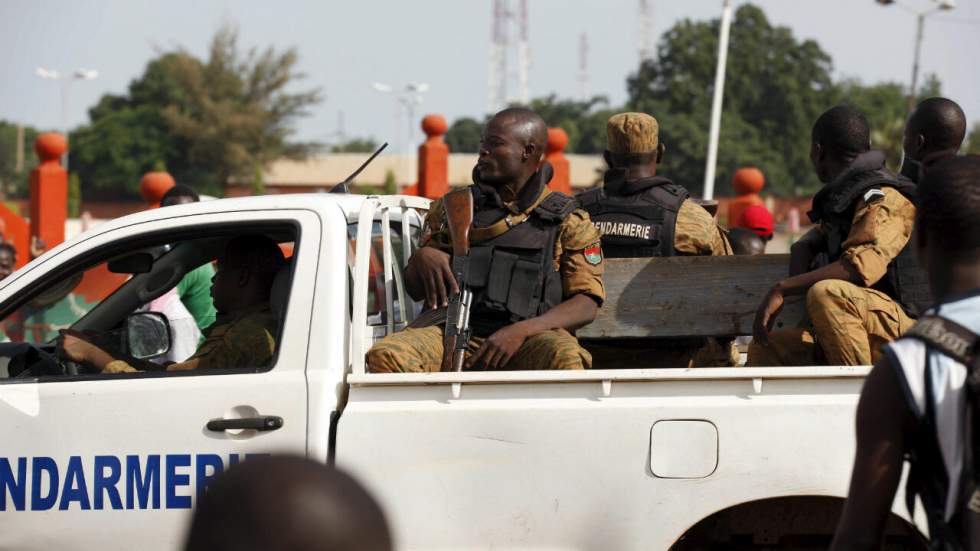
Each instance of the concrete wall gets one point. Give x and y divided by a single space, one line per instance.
319 173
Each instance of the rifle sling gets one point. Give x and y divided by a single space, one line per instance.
500 227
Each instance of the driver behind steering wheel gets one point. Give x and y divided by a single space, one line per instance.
243 334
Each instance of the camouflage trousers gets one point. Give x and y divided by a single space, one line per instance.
415 350
850 325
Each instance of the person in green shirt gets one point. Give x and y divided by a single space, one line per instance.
195 288
195 292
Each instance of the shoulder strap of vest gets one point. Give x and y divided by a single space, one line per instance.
591 197
556 206
947 337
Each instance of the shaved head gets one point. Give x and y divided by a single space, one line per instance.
526 124
936 124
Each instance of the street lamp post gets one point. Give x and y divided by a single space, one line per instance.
410 97
66 80
943 5
716 103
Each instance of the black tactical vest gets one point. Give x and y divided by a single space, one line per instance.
905 281
512 275
636 219
928 478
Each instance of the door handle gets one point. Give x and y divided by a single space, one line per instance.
260 423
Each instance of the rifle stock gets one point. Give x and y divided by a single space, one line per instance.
459 217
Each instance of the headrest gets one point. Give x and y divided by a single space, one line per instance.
279 294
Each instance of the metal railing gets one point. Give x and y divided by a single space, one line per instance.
407 214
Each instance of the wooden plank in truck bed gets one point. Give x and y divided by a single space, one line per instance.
688 296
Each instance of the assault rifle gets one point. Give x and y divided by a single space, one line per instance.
459 213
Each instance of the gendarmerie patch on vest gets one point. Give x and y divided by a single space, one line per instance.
624 229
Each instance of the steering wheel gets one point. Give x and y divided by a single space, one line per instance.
30 360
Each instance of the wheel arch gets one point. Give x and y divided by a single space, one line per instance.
792 521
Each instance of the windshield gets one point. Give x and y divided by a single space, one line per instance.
61 305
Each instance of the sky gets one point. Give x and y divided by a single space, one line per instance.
345 46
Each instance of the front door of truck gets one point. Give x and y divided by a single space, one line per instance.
116 461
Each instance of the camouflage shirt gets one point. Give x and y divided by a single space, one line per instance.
577 255
246 340
880 230
697 234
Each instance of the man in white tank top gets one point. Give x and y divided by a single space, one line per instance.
915 402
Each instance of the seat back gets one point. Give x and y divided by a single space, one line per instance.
279 294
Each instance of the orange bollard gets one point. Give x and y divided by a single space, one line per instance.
153 185
18 233
48 192
748 182
433 158
555 154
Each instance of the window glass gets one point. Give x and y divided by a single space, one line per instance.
61 305
191 304
376 303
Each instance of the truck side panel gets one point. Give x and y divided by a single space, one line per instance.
581 465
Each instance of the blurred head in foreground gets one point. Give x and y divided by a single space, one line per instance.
745 241
283 503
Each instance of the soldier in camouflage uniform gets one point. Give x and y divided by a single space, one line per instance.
541 275
848 266
642 214
245 331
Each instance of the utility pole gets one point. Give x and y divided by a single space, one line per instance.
920 23
716 102
583 67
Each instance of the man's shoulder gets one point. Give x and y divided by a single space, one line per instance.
578 231
257 318
692 217
254 331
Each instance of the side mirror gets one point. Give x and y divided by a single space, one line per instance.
147 335
135 263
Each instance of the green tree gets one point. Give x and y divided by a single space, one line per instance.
356 145
972 144
13 182
207 120
74 195
237 113
464 134
776 86
886 107
391 183
583 121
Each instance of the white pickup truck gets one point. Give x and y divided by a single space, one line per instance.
610 458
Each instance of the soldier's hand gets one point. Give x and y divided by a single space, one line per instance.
498 349
433 268
765 316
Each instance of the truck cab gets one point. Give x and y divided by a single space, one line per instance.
612 458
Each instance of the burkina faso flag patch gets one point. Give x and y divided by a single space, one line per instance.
593 255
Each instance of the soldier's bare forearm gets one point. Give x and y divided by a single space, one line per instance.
799 284
570 315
